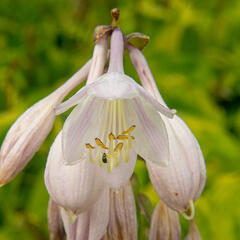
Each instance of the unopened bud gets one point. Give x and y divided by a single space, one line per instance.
165 224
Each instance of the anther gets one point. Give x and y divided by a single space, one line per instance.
124 137
118 147
89 146
100 143
129 130
111 136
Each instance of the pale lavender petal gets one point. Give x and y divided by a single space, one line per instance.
55 223
151 139
123 219
75 188
99 217
193 232
82 126
122 173
184 178
165 224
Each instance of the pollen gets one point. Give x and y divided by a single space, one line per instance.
124 137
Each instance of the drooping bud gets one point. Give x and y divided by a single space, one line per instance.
193 232
55 223
165 224
30 130
182 181
123 220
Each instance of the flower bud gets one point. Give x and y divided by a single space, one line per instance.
165 224
30 130
193 233
55 224
123 220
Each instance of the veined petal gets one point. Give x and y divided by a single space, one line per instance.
151 135
111 86
90 224
119 175
55 223
184 178
193 232
123 219
99 217
81 127
75 188
165 224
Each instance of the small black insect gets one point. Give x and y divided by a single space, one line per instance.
104 158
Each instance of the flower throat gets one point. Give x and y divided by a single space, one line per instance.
115 140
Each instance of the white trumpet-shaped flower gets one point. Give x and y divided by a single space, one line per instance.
115 119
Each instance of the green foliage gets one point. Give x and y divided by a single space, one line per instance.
194 56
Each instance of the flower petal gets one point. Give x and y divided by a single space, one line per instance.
82 126
123 219
55 223
121 174
99 217
164 224
193 232
75 188
151 136
184 178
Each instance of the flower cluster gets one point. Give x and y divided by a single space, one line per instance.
93 157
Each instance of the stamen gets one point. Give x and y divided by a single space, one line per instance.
100 143
111 136
129 130
118 147
124 137
89 146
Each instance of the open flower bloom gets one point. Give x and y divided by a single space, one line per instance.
114 120
181 183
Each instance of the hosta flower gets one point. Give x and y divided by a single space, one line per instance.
114 120
181 183
165 224
30 130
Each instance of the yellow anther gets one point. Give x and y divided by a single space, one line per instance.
100 143
118 147
129 130
111 136
89 146
123 137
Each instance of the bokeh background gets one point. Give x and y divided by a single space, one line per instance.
194 54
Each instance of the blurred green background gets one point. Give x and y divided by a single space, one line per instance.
194 54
